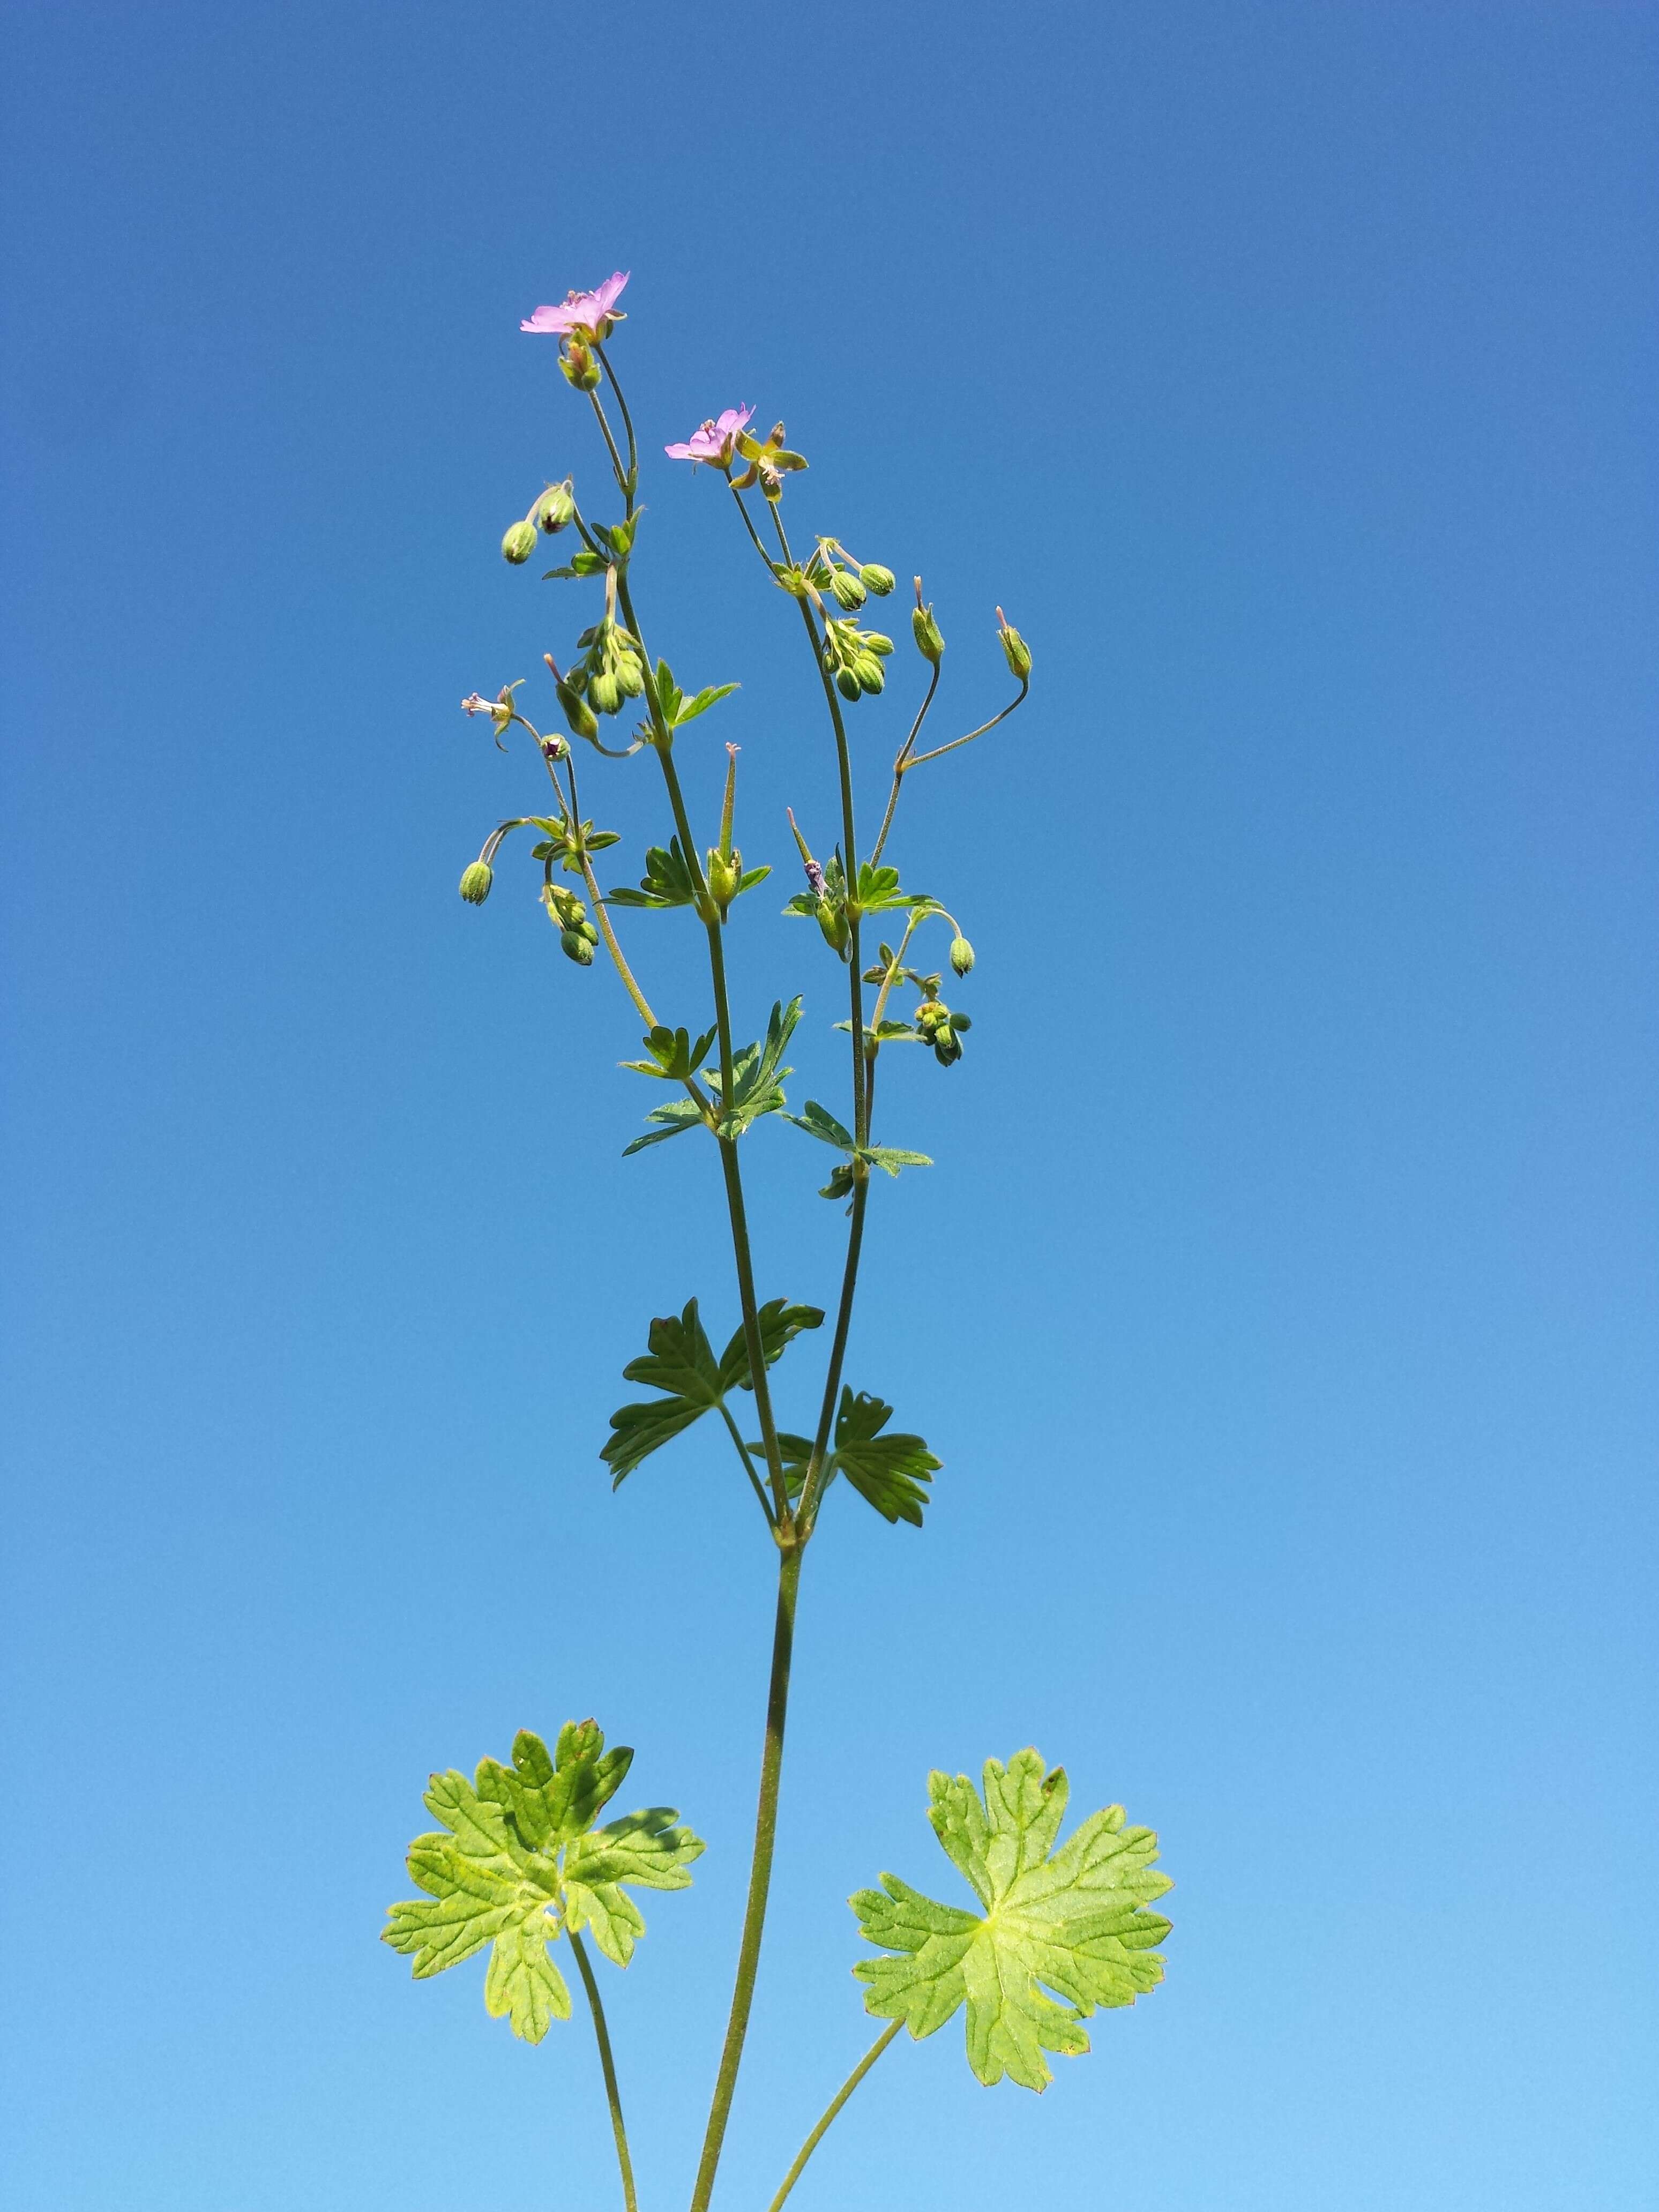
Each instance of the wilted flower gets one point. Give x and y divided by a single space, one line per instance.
583 314
714 441
768 462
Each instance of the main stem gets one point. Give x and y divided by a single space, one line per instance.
613 2096
836 2104
760 1876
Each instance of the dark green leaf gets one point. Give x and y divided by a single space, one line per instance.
677 1115
667 881
818 1121
756 1076
888 1471
780 1324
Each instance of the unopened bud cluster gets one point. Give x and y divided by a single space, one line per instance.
854 657
938 1026
567 912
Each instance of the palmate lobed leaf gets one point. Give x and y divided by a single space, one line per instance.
888 1471
681 1362
519 1861
1071 1921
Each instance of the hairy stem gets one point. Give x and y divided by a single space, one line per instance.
664 749
608 2064
836 2104
760 1877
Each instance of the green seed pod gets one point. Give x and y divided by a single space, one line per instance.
556 508
849 591
833 922
961 955
476 882
519 543
577 947
874 578
724 877
577 712
1015 649
926 631
579 366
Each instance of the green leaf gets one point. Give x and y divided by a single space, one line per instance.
710 695
879 892
668 693
518 1861
780 1324
818 1121
674 1057
888 1471
667 881
892 1159
681 1364
756 1077
677 1115
1071 1921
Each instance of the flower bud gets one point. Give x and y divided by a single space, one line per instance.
577 712
604 692
519 543
847 685
849 591
874 578
868 673
476 882
577 947
555 509
1015 649
961 955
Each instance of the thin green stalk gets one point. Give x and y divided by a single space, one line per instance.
902 764
939 751
760 1876
608 2068
836 2104
755 1482
813 1489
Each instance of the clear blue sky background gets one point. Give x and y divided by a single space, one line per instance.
1283 1302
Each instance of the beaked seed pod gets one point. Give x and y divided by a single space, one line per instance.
1015 649
476 882
556 508
961 955
874 578
929 643
577 947
519 543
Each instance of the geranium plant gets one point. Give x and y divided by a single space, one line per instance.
523 1864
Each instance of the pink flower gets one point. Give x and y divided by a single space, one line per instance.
591 314
714 441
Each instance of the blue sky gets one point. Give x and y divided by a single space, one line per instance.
1283 1301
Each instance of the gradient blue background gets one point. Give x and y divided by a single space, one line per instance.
1283 1302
